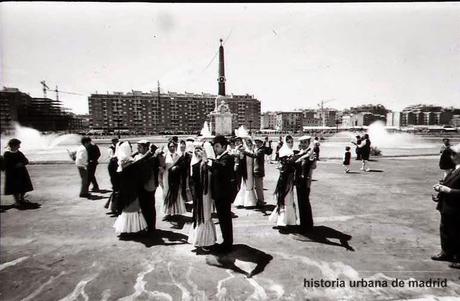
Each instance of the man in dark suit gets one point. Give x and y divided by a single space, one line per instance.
221 189
448 199
147 158
302 174
93 155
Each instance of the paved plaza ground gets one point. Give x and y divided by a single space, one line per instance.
67 248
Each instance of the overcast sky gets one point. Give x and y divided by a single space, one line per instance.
286 55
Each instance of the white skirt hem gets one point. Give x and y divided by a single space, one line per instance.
130 222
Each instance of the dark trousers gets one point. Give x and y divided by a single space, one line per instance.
450 234
224 213
114 179
147 203
84 181
305 214
91 175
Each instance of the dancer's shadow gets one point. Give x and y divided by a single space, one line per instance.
25 206
322 234
179 221
241 260
214 215
353 173
96 197
266 209
157 238
375 170
102 191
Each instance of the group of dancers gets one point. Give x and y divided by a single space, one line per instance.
209 173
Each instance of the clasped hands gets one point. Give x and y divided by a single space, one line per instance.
441 188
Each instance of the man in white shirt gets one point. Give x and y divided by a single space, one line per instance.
81 161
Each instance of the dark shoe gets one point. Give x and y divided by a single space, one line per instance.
455 265
87 195
442 257
95 190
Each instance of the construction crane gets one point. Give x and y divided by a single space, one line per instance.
321 108
45 87
57 91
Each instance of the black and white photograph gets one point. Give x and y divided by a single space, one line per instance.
230 151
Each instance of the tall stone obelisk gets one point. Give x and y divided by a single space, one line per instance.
221 117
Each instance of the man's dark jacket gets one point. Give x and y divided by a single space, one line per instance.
222 176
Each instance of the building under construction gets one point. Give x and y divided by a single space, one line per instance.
43 114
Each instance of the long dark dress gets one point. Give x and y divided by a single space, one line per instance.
285 212
17 179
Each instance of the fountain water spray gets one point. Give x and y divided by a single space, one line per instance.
34 140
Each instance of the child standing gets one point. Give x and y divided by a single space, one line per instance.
347 159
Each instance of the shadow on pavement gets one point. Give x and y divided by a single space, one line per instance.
353 173
24 206
93 197
375 170
180 221
266 209
102 191
156 238
322 234
246 256
214 215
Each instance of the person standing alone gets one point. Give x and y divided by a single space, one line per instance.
17 179
93 155
81 161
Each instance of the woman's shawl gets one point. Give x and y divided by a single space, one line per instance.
185 170
200 188
174 180
285 180
285 150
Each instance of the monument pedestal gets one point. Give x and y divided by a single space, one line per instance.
221 118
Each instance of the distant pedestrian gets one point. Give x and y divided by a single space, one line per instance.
445 161
347 159
365 148
358 150
316 145
93 155
81 161
268 149
17 179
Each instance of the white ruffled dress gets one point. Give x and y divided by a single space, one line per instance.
131 219
288 215
204 234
